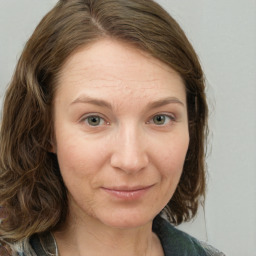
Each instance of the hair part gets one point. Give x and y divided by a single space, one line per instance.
32 191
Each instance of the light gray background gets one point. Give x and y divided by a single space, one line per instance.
223 33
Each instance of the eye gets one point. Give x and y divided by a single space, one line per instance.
94 120
162 119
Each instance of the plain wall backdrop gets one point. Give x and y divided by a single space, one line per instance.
223 32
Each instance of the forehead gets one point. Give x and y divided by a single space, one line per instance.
117 66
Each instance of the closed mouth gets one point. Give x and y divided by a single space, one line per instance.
127 188
127 193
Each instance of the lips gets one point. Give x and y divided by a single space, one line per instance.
127 193
128 188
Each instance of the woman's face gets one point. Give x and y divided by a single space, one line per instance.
121 132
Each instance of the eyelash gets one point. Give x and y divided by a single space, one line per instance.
170 117
102 120
86 118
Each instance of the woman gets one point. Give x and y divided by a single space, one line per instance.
103 133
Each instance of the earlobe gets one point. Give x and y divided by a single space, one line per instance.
52 147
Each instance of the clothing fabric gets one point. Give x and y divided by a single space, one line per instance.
178 243
174 243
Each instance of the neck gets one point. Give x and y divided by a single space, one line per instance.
90 237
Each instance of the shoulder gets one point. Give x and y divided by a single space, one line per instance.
210 251
43 244
5 250
20 248
176 242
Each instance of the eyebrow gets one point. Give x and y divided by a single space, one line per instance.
86 99
102 103
165 101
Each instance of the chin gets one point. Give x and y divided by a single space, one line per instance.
126 220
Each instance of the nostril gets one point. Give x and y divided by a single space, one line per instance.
129 163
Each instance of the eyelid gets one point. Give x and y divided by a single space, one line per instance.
169 115
85 116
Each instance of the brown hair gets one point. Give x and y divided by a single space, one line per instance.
31 188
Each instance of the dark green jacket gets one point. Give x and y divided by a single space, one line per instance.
178 243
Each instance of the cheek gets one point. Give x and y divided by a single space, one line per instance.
75 168
169 158
72 156
172 166
172 156
79 158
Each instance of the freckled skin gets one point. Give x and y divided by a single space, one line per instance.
127 149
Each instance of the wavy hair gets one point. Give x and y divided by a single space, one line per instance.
32 192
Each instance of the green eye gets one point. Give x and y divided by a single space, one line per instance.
159 119
94 120
162 119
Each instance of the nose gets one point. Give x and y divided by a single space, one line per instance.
130 154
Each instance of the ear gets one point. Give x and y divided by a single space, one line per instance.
52 148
